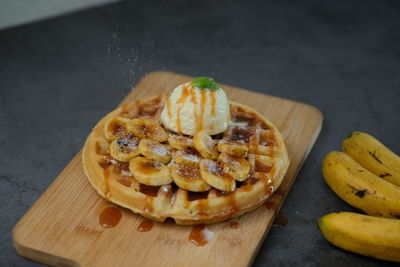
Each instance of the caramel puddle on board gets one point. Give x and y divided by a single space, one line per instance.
145 226
271 205
200 235
234 225
110 217
280 220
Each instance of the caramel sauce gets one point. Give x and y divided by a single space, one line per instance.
219 193
203 99
169 113
251 180
281 220
271 143
202 214
107 193
145 226
231 204
105 162
212 102
173 192
110 217
246 188
262 168
120 166
149 190
148 167
180 102
125 180
192 196
244 118
254 141
218 170
193 99
148 206
116 128
243 134
267 139
271 205
269 189
202 206
197 236
234 225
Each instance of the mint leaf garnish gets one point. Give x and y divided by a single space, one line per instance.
205 83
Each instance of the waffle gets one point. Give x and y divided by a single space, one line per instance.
133 161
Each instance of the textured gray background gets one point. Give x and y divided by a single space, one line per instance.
19 12
58 77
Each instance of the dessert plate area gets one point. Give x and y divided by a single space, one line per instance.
62 228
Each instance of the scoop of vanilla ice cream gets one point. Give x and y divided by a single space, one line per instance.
190 109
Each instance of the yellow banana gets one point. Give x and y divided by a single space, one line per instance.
363 234
205 145
374 156
359 187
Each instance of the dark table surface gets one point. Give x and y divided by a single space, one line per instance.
58 77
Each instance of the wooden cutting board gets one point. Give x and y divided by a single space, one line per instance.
62 228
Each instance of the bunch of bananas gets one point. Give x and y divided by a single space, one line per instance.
367 176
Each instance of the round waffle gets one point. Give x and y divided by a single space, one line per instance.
133 161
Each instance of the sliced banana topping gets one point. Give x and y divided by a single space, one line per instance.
149 172
147 128
124 148
180 142
115 128
188 177
232 148
215 176
155 151
237 167
205 145
189 157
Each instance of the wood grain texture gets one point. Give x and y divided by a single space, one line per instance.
62 228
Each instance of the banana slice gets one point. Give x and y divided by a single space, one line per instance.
115 128
188 177
232 148
187 157
180 142
237 167
147 128
155 151
124 148
205 145
215 176
149 172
